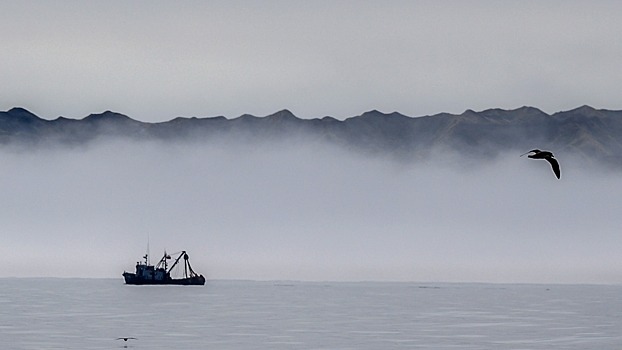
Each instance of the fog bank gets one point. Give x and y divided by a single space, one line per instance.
307 211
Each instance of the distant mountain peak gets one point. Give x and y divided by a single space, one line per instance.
107 115
374 113
18 110
584 109
283 114
528 108
21 112
468 112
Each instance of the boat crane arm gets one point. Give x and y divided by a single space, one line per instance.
176 261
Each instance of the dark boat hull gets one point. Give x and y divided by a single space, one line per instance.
132 278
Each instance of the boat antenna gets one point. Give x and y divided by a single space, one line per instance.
148 253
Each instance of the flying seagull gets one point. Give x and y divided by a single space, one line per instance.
126 338
537 154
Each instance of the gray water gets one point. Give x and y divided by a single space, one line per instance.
92 313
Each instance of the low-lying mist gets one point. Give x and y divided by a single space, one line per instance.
306 211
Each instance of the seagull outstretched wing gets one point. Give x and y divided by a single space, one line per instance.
125 338
554 165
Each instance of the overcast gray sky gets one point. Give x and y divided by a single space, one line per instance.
155 60
306 211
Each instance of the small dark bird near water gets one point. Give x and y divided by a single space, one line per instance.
126 338
537 154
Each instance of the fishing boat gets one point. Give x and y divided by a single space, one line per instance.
161 272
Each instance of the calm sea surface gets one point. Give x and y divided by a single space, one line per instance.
92 313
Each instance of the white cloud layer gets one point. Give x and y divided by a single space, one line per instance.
306 212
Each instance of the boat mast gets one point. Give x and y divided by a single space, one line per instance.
163 263
147 256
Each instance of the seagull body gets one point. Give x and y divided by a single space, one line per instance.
548 156
125 338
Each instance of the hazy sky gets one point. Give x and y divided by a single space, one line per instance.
305 210
155 60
